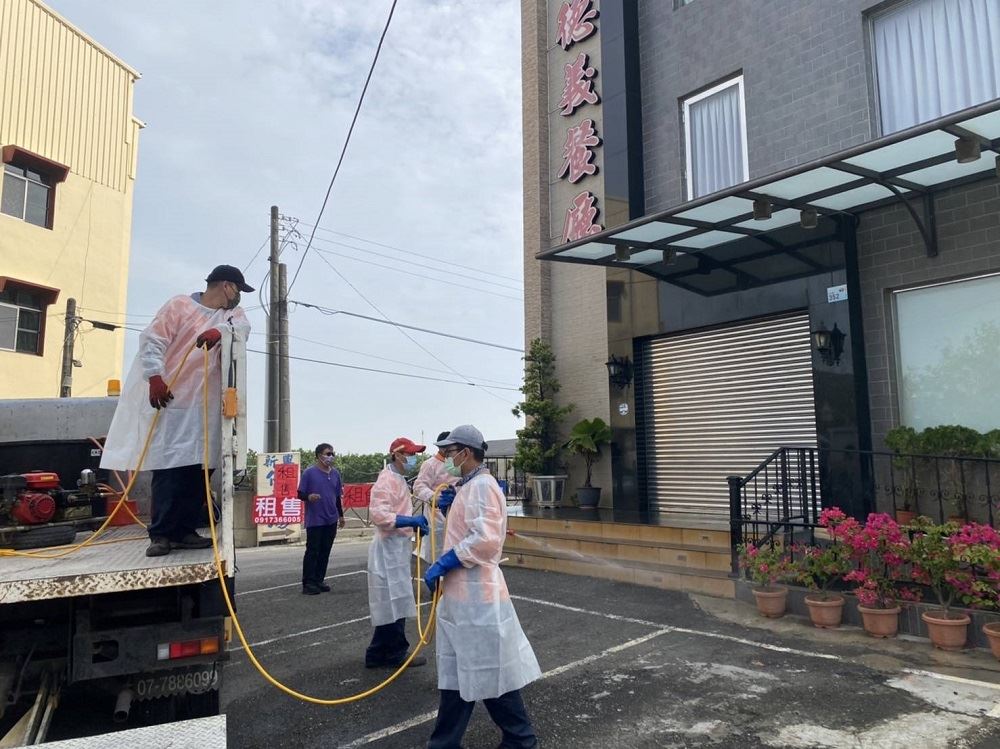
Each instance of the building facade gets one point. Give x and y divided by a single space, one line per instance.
69 143
769 176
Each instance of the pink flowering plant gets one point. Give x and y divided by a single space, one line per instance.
767 564
961 564
819 567
877 551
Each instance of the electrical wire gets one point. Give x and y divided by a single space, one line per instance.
347 141
387 321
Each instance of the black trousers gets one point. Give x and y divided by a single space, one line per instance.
178 499
389 645
507 711
319 541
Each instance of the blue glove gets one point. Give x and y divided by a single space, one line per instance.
440 568
445 498
413 521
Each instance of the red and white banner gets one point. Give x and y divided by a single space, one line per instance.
275 511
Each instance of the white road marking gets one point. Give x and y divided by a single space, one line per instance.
295 585
427 717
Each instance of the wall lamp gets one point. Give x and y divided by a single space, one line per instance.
619 371
622 252
761 209
829 344
808 218
967 150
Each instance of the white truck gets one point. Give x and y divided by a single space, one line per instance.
106 638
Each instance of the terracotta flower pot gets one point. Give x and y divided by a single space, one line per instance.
904 517
880 622
771 601
992 632
946 634
825 613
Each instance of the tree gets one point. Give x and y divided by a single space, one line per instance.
538 445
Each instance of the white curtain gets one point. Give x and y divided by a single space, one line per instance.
717 142
934 57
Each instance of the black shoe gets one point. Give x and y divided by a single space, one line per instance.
324 587
158 547
310 590
192 541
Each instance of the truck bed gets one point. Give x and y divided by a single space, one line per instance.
103 568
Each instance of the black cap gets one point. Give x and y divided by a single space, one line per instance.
228 273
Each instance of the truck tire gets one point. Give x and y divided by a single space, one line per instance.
202 705
57 535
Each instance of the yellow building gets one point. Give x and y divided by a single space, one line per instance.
69 144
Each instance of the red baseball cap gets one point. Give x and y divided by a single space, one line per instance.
408 446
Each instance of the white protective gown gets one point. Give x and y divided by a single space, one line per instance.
390 584
178 438
430 476
481 649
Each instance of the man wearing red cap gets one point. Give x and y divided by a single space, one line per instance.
390 587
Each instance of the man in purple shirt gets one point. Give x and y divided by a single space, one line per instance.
321 489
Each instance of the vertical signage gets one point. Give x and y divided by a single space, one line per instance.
277 511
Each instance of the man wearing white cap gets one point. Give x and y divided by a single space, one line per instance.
482 653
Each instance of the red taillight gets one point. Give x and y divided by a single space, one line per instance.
187 648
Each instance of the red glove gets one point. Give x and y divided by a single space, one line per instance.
209 338
159 393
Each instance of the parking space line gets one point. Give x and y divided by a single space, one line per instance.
294 585
429 716
956 679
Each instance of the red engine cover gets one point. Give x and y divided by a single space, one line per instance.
32 508
42 480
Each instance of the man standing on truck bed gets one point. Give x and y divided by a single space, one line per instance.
177 448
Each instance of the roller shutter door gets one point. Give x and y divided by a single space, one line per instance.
718 402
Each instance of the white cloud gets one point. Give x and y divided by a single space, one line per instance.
248 105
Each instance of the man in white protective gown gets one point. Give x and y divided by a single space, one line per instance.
390 582
430 476
176 452
482 653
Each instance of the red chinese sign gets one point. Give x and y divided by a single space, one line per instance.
574 23
578 153
356 496
286 480
275 511
579 85
581 217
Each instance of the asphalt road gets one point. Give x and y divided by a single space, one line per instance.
624 666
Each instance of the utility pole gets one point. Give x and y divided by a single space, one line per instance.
271 415
72 321
284 395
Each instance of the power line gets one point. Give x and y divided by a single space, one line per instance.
329 311
256 254
386 371
445 281
411 252
347 140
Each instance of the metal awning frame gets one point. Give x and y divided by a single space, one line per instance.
904 191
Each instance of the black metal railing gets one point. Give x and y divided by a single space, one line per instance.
782 498
513 481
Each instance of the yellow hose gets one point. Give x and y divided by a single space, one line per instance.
89 541
236 622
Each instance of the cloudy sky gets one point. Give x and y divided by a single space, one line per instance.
247 105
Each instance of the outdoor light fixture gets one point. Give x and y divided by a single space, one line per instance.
622 252
669 255
619 371
967 150
829 344
761 209
808 218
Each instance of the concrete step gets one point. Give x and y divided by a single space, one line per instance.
668 534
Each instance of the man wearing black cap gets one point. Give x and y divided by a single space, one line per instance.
177 448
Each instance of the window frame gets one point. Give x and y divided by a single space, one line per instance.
45 296
24 177
54 172
686 103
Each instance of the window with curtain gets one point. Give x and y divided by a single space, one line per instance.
715 139
934 57
948 354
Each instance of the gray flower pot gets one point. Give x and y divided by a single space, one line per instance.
588 496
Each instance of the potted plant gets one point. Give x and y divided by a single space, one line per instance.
586 440
979 546
767 565
538 447
818 567
877 550
956 442
903 440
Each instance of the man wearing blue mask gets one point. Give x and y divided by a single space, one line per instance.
321 490
390 585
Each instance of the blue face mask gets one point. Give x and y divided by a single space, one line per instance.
411 462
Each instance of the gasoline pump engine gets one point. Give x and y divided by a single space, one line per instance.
37 498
